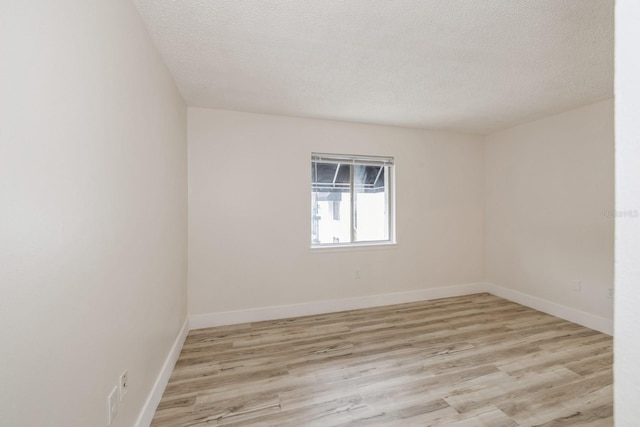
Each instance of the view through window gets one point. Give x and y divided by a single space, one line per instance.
350 199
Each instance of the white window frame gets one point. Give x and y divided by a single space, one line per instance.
351 159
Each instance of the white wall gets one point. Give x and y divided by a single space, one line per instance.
249 212
549 208
92 211
627 272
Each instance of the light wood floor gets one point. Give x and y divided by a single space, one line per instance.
467 361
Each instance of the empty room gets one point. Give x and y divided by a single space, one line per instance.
331 213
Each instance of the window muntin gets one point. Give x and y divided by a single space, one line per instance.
351 200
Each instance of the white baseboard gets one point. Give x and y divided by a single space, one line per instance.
208 320
151 404
562 311
199 321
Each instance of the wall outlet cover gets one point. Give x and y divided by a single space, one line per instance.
576 285
124 384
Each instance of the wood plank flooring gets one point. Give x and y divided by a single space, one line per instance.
468 361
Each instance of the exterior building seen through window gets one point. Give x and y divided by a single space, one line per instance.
351 200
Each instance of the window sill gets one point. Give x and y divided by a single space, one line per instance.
354 247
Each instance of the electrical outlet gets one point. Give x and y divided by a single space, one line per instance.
576 285
124 384
357 275
610 292
112 405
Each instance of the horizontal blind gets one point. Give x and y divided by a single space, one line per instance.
347 159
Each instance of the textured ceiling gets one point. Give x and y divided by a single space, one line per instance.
467 65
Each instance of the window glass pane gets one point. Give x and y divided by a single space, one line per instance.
371 221
350 199
330 203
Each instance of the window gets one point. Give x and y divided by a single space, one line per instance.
351 200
